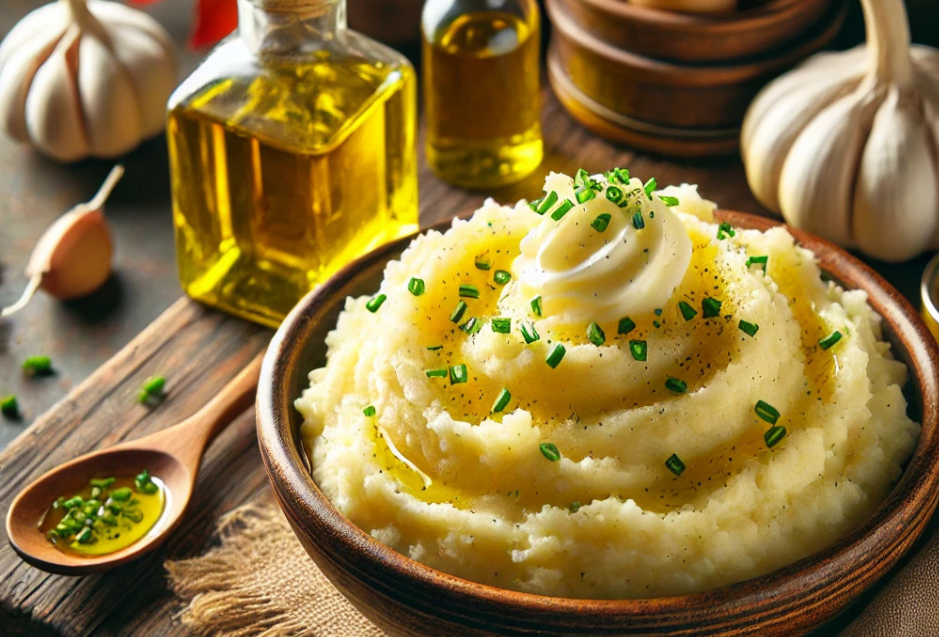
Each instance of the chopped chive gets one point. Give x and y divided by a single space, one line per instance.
614 194
436 373
501 277
601 223
748 328
375 302
773 435
766 411
626 325
502 325
469 291
434 348
483 265
547 203
120 495
649 187
416 286
458 374
656 324
9 407
711 307
676 385
562 209
758 260
550 451
595 335
502 401
574 506
86 536
638 222
102 483
687 311
675 465
658 311
639 350
472 326
725 230
529 333
618 175
369 411
584 194
830 340
37 366
669 201
536 305
458 311
534 204
556 355
581 177
151 389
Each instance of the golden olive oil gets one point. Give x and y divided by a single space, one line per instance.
284 175
481 94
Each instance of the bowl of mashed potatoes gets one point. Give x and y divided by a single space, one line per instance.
613 410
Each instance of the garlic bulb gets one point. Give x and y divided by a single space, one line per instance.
85 79
847 145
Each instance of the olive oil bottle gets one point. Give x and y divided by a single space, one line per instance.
481 90
292 152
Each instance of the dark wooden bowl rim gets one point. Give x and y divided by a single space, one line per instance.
730 23
805 580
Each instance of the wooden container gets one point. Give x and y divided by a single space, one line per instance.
408 599
696 38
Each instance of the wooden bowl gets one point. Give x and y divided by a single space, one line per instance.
685 37
406 598
668 94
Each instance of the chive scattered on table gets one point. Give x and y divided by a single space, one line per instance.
9 406
37 366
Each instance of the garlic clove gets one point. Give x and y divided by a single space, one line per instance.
817 180
75 260
108 100
53 114
897 195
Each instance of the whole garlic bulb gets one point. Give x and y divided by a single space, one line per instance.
85 79
847 145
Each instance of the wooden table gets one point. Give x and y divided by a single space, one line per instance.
101 410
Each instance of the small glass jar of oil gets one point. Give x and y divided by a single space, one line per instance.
481 90
292 151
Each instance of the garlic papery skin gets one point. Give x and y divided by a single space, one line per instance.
846 146
85 78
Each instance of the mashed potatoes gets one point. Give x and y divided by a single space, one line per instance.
613 398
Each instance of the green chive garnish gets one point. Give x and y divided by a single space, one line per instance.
669 201
502 401
536 305
152 388
550 451
469 291
416 286
748 328
687 311
529 333
547 203
626 325
618 175
458 374
710 307
675 465
375 302
581 177
649 187
758 260
436 373
501 277
638 222
676 385
595 335
9 407
601 222
37 366
725 230
120 495
584 194
562 209
556 355
658 311
830 340
639 350
434 348
534 204
369 411
766 411
472 326
574 506
774 435
614 194
483 265
502 325
458 311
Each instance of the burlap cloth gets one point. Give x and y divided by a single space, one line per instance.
259 581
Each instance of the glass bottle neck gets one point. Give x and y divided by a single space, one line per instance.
290 26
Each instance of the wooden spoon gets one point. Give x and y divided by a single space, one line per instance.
172 455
